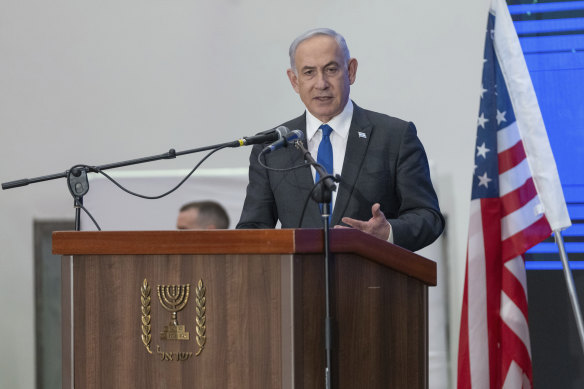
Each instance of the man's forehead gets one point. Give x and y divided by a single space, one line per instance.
317 47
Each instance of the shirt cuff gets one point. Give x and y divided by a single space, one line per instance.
390 239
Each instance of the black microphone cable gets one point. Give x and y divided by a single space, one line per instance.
78 189
77 203
336 178
305 164
95 169
280 170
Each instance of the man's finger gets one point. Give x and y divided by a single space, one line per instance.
358 224
376 211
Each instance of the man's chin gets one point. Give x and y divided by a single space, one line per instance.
321 111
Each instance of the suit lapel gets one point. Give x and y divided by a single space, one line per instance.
304 177
357 142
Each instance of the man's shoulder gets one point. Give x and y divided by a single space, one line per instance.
378 119
298 123
375 116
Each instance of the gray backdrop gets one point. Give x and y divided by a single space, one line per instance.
99 82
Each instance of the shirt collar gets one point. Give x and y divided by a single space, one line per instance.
340 123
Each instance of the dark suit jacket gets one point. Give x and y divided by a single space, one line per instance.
387 165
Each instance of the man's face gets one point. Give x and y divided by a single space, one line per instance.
189 220
322 78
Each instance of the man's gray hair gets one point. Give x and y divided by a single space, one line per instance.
318 31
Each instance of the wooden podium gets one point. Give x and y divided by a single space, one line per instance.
253 312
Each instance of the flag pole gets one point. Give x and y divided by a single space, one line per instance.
570 285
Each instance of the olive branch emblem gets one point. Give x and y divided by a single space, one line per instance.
146 326
201 316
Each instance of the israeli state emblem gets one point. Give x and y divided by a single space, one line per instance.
174 298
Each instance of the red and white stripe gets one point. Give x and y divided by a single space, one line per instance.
494 348
523 223
494 345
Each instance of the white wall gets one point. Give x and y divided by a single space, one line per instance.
99 82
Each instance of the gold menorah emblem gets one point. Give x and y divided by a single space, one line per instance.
174 298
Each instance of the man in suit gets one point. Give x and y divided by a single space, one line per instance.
385 187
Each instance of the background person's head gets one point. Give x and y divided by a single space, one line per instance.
202 215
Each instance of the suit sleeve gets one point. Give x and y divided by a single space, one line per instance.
419 221
259 208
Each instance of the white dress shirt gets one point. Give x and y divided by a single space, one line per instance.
340 125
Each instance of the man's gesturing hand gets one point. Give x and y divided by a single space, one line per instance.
377 226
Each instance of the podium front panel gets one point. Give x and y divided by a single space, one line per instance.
240 309
232 318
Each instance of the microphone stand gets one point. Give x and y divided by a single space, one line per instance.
77 175
323 195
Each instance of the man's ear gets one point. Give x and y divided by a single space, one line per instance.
353 70
293 80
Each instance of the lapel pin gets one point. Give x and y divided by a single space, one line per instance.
362 135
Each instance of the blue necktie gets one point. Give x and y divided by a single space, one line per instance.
325 151
325 156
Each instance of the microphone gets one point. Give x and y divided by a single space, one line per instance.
283 142
268 136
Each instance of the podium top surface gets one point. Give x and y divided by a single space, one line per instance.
281 241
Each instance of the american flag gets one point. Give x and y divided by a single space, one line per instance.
514 205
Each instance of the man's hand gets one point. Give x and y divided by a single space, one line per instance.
377 226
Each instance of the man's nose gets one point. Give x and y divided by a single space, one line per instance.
321 81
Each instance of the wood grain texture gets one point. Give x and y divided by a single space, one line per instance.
66 325
243 322
379 310
286 241
379 330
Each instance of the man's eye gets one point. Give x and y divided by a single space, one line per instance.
308 72
332 70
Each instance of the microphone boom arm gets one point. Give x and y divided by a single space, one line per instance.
171 154
77 175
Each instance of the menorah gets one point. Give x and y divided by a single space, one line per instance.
174 298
